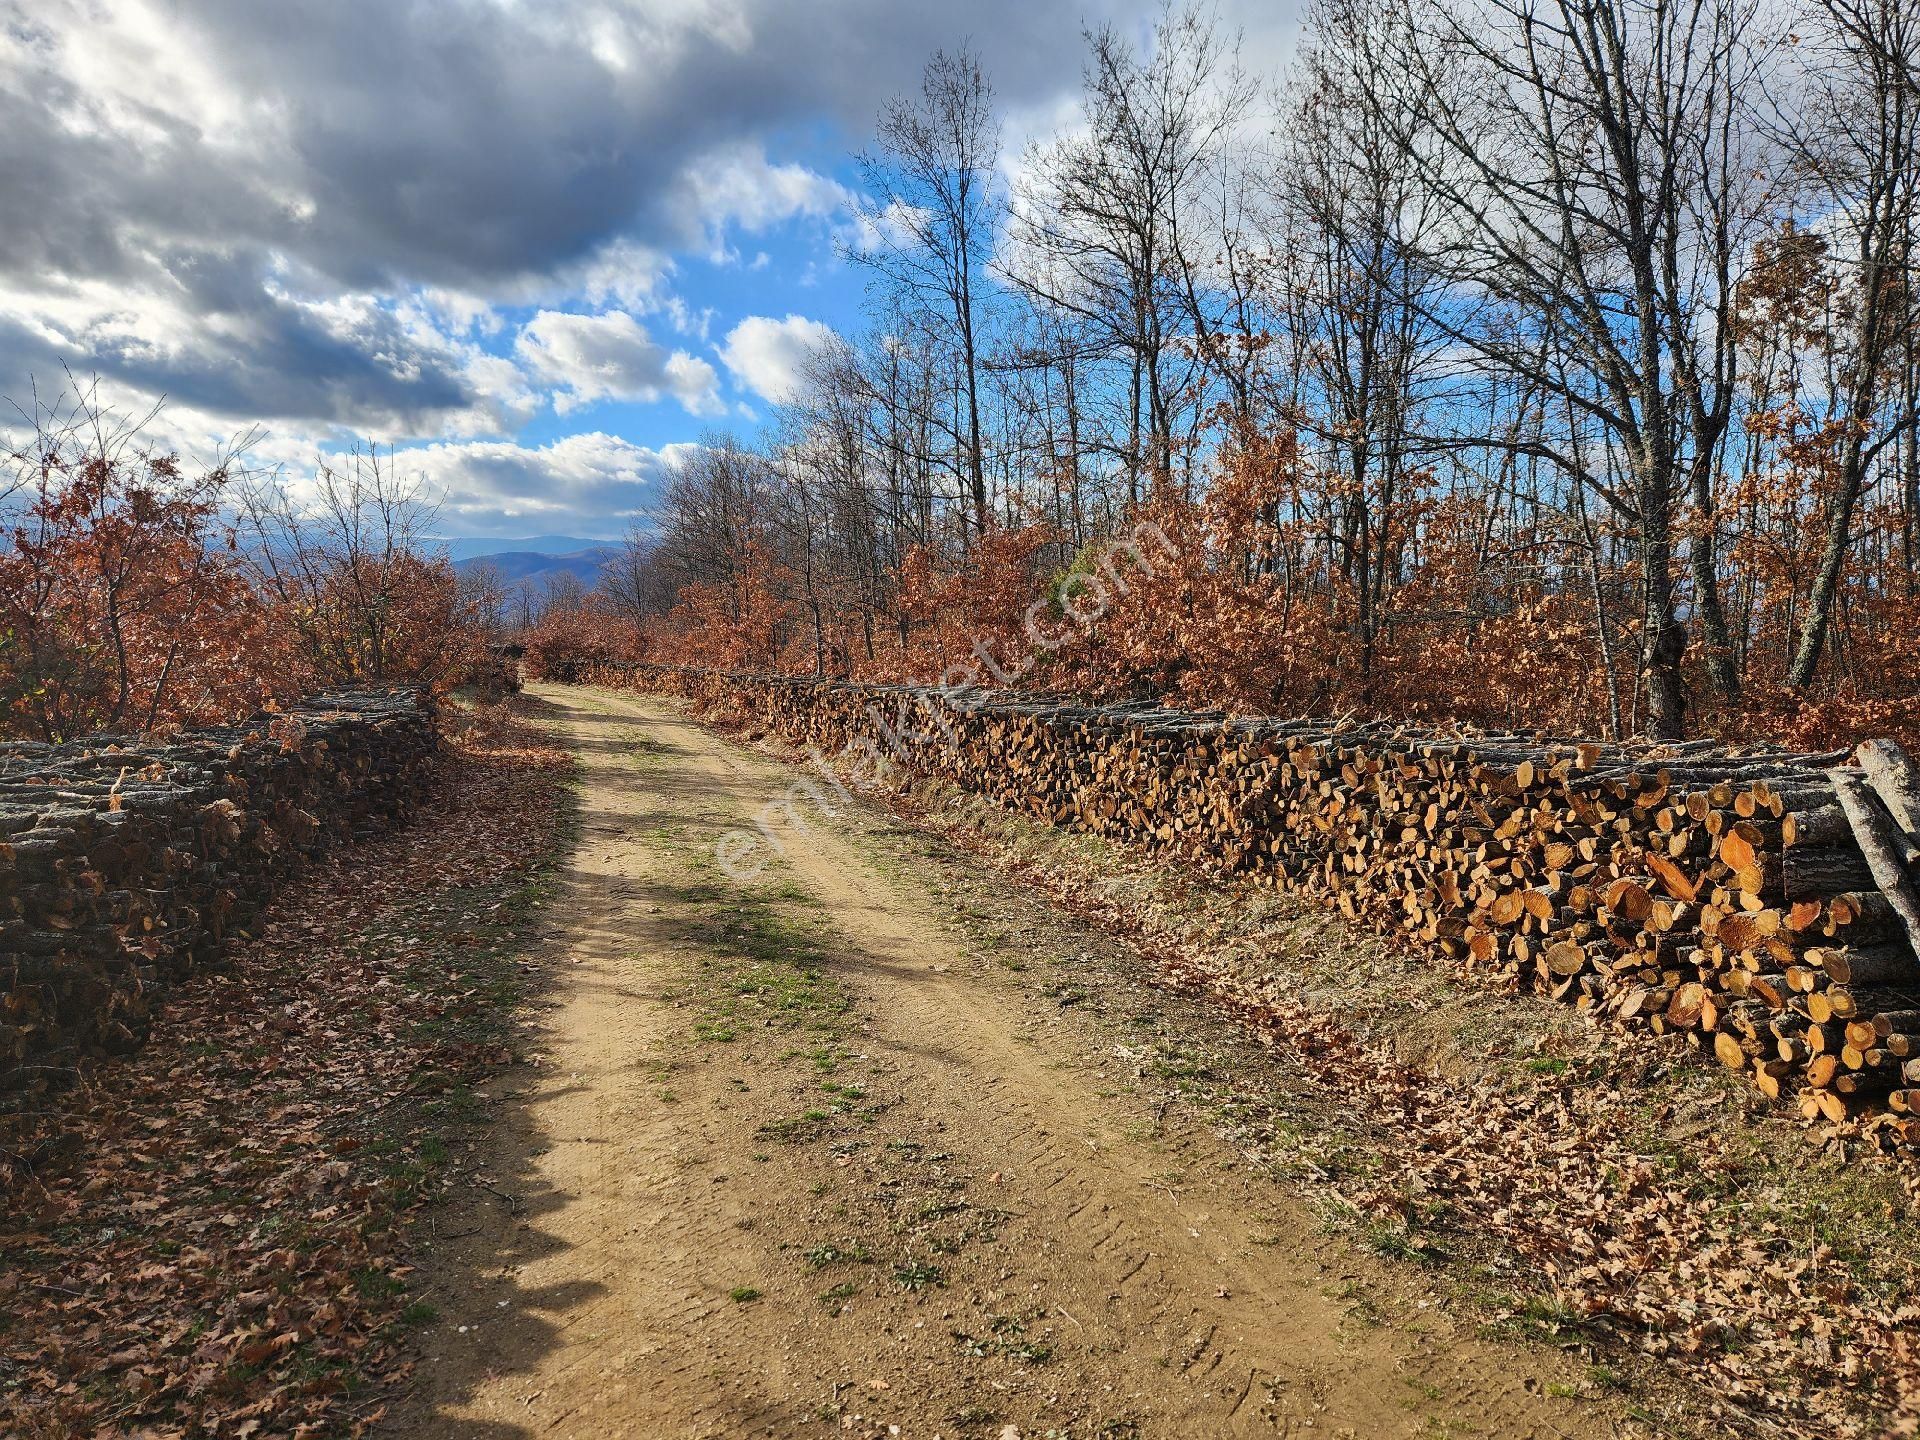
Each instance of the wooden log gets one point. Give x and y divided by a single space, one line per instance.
1895 779
1893 1022
1888 964
1881 842
1807 873
1863 917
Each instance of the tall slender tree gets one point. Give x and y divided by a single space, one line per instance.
1856 133
936 215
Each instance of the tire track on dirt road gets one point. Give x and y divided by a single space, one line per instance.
1104 1298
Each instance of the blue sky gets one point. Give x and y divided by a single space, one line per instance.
534 245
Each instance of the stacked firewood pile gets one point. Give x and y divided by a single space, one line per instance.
493 675
1760 902
124 863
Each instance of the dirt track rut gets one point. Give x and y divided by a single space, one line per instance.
921 1214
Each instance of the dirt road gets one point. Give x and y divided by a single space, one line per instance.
808 1158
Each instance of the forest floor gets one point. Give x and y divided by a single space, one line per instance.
885 1144
210 1237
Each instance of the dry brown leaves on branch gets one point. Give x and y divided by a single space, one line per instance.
210 1237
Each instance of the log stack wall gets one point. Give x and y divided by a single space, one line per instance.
1714 894
126 863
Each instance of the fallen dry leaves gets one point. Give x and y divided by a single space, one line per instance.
1652 1251
210 1237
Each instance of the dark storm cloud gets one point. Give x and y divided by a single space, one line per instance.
460 142
192 156
242 350
446 142
284 362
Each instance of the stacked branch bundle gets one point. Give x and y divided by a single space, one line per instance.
1760 903
124 863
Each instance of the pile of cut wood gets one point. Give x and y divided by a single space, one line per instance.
1760 902
124 862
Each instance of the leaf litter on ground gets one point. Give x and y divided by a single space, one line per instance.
210 1236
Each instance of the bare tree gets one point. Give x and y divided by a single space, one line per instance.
932 172
483 594
1857 136
1353 293
636 580
1592 165
521 609
562 593
349 563
714 519
1108 229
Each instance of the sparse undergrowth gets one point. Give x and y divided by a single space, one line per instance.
211 1237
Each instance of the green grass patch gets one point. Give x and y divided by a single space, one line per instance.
919 1275
838 1252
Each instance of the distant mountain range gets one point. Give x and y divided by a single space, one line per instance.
536 558
474 549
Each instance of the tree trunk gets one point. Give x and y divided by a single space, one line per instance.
1833 560
1880 841
1663 637
976 473
1704 556
1894 778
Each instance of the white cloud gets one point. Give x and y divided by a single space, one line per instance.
612 357
622 272
455 312
894 224
737 186
686 320
767 355
593 482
